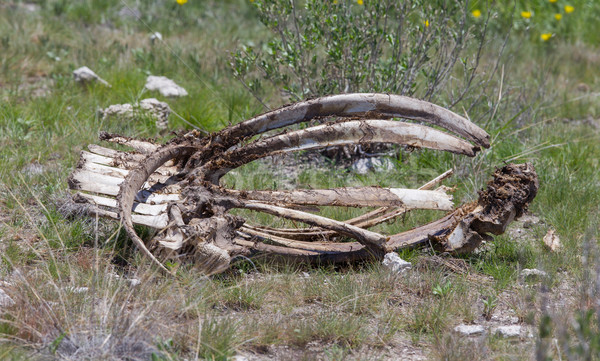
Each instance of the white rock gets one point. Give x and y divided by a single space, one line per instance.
5 300
165 86
533 274
469 330
239 358
394 263
154 37
116 109
86 75
157 109
509 331
160 110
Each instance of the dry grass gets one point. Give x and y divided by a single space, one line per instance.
49 252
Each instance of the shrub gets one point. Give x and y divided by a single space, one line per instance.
326 47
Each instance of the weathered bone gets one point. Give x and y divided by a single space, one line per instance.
142 146
351 132
360 104
460 231
132 184
366 220
370 239
352 197
158 187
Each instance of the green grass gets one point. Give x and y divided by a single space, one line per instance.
548 98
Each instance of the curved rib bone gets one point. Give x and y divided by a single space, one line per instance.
351 132
134 181
360 104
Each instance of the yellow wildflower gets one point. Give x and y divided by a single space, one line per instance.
426 22
181 2
546 36
526 14
569 9
334 2
359 2
476 13
552 1
558 16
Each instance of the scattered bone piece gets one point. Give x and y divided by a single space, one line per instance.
552 241
86 75
165 86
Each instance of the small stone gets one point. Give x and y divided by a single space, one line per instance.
160 110
239 358
86 75
305 275
5 300
552 241
508 331
157 109
533 274
154 37
469 330
165 86
394 263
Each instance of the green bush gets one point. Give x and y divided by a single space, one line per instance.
327 47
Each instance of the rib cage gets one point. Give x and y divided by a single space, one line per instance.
175 189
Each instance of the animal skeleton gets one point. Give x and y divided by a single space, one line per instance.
175 187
